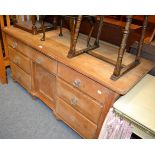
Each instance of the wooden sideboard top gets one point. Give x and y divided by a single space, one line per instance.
57 48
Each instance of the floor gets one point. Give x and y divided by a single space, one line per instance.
21 117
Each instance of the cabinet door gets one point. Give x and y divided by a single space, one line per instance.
45 85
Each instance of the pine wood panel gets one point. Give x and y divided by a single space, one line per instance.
88 86
81 102
94 76
97 70
21 77
75 120
48 63
45 83
20 60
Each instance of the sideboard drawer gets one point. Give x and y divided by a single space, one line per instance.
49 64
75 120
20 60
21 47
81 102
12 42
90 87
21 77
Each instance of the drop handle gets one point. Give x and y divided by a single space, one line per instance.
16 60
77 83
74 101
39 60
14 44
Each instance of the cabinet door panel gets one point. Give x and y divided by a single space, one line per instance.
44 83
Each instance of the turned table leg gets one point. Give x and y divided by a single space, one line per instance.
61 24
43 29
74 36
139 49
117 69
34 28
99 31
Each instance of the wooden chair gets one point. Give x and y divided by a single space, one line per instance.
4 57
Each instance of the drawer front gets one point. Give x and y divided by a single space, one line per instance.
21 47
20 60
83 103
12 42
48 63
21 77
90 87
75 120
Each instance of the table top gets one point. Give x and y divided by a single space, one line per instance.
100 71
139 103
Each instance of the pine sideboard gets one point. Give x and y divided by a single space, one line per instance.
79 91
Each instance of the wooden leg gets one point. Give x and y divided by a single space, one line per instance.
61 24
99 31
121 51
43 30
74 37
89 36
92 24
139 49
55 22
34 28
3 78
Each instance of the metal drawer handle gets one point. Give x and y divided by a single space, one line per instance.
74 100
14 44
77 83
39 60
16 60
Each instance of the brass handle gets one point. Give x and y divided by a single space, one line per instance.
39 60
14 44
16 60
74 100
77 83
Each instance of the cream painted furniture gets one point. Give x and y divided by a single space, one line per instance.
78 90
138 107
